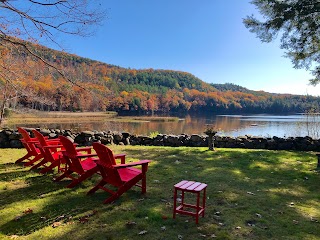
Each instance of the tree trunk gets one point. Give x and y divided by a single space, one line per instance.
2 111
211 142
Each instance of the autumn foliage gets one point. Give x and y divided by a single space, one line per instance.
102 86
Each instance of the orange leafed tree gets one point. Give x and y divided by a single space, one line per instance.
41 21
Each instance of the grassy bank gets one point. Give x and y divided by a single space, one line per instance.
60 117
252 194
64 117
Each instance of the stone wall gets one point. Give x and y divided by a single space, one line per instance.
10 139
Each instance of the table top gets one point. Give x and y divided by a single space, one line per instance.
191 186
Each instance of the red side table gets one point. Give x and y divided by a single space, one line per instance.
192 187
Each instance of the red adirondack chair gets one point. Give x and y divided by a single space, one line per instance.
51 151
123 176
75 165
30 145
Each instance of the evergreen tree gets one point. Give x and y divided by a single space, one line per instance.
299 23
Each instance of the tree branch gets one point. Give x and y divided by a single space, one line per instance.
19 43
48 4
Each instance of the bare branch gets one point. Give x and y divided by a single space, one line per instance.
48 4
22 44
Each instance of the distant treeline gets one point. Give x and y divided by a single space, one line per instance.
108 87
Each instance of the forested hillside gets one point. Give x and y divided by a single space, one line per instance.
101 86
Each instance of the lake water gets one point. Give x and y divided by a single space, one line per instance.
230 125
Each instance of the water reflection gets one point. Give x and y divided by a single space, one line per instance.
231 125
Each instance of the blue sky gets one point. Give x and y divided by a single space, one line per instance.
205 37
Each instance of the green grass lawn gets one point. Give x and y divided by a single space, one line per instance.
251 194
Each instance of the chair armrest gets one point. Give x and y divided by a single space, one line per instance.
122 157
34 139
53 146
141 162
86 149
87 155
83 148
53 141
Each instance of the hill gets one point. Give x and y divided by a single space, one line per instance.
233 88
101 86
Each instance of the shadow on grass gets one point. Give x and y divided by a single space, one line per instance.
251 194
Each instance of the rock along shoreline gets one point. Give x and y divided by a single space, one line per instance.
10 138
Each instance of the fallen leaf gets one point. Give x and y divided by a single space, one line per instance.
17 218
213 236
312 219
258 215
142 232
83 219
163 228
14 236
217 213
29 210
164 217
238 227
94 212
56 224
250 193
251 223
60 218
130 223
203 235
180 237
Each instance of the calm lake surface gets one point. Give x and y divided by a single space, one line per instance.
230 125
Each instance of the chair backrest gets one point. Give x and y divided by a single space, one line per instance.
40 138
47 153
25 135
68 145
30 147
70 155
107 159
105 154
